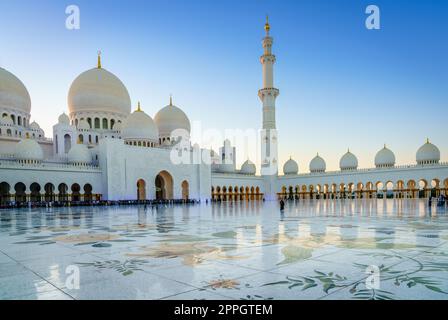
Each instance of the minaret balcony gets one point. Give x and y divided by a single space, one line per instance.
268 92
267 58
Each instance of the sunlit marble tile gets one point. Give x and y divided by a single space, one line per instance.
23 284
316 249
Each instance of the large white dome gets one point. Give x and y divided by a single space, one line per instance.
290 167
248 168
318 164
348 161
79 154
428 154
13 93
28 149
139 126
385 158
98 90
171 118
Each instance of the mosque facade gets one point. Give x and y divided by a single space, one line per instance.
101 150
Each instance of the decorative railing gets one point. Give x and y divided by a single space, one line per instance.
19 137
13 164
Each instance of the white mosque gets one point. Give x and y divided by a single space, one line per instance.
103 151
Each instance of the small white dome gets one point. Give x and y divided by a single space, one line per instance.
34 126
318 164
139 126
98 90
79 154
428 154
6 121
83 125
348 161
171 118
385 158
28 149
64 119
13 93
248 168
290 167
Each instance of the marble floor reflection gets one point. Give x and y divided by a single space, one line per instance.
316 249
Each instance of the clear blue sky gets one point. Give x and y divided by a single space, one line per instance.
341 84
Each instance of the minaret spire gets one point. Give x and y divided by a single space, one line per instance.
99 59
267 26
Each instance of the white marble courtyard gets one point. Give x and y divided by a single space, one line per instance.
244 250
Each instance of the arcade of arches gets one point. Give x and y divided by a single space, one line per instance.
229 193
401 189
164 187
20 193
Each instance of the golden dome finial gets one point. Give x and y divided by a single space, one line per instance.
171 100
385 147
138 107
267 26
427 140
99 59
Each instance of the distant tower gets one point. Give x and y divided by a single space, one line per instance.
267 95
228 157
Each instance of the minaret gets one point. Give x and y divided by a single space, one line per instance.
267 95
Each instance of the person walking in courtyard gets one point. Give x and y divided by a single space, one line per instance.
282 205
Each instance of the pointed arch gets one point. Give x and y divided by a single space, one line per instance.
164 186
185 190
141 189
